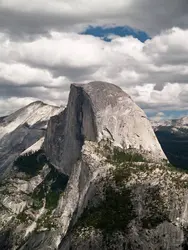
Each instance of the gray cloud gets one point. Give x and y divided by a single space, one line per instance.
8 90
31 20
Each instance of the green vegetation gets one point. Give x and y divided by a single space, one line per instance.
176 169
115 211
112 214
119 156
45 221
50 190
154 220
125 164
22 217
176 176
58 184
52 186
38 197
52 199
31 163
121 173
156 210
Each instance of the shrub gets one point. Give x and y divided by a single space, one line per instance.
157 211
31 163
50 189
52 199
112 214
120 156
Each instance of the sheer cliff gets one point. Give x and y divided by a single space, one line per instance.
99 181
96 111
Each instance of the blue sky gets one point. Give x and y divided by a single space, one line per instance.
122 31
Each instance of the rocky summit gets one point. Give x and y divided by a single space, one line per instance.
98 180
98 111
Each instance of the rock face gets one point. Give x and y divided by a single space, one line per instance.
21 130
96 111
121 191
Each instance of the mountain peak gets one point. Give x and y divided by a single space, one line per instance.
97 111
30 114
99 86
102 94
37 102
40 103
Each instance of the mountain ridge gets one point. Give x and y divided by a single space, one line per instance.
100 181
179 122
21 129
173 137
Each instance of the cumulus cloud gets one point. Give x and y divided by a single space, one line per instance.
154 73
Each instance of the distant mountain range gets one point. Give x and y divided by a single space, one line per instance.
173 137
176 123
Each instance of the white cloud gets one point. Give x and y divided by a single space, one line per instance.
169 47
60 49
22 74
154 73
12 104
